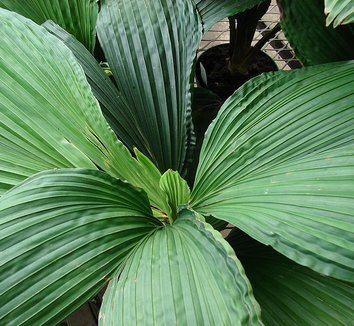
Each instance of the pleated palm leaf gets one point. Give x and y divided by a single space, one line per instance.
89 196
319 31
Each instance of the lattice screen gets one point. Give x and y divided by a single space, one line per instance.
277 48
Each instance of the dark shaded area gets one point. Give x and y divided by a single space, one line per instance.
212 70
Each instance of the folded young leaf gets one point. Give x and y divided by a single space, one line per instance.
62 234
288 293
78 17
177 190
150 47
278 162
304 25
339 12
49 117
183 274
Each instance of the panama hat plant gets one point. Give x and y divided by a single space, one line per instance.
92 174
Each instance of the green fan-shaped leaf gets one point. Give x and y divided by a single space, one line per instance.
278 163
150 47
78 17
183 274
288 293
49 117
211 11
114 107
62 235
304 25
339 12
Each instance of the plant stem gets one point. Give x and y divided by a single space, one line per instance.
241 36
266 37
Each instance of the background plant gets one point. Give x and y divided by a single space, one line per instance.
242 29
78 211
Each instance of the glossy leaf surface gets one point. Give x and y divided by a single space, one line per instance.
78 17
62 234
115 109
304 25
49 117
183 274
288 293
278 163
150 47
